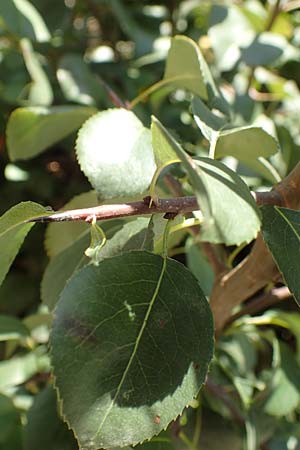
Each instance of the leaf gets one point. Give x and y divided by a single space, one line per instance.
12 328
167 141
22 19
245 144
281 232
236 218
267 48
210 124
64 264
199 265
217 189
19 369
285 395
13 231
164 153
184 66
142 331
77 81
115 153
250 145
10 425
143 39
44 428
226 24
40 91
61 268
32 130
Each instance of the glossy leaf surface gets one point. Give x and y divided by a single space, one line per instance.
136 348
281 232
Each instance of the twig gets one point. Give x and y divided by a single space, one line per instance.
219 392
166 205
274 13
262 302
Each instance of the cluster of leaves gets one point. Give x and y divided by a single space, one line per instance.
132 335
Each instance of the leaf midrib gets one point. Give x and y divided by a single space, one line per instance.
139 337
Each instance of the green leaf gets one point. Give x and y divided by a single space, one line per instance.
13 231
199 265
10 425
64 264
210 124
12 328
115 153
267 48
22 19
281 232
184 66
163 152
217 189
250 145
167 141
141 328
32 130
19 369
45 429
284 384
76 80
245 144
236 218
229 28
40 91
61 267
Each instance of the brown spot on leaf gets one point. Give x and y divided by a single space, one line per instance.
196 366
157 420
161 323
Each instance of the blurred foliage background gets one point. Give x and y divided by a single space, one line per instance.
101 53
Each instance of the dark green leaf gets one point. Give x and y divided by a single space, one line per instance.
64 264
284 384
137 335
45 429
32 130
21 18
267 48
61 267
12 328
10 425
281 231
13 231
77 81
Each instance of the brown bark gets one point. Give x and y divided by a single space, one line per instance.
233 287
